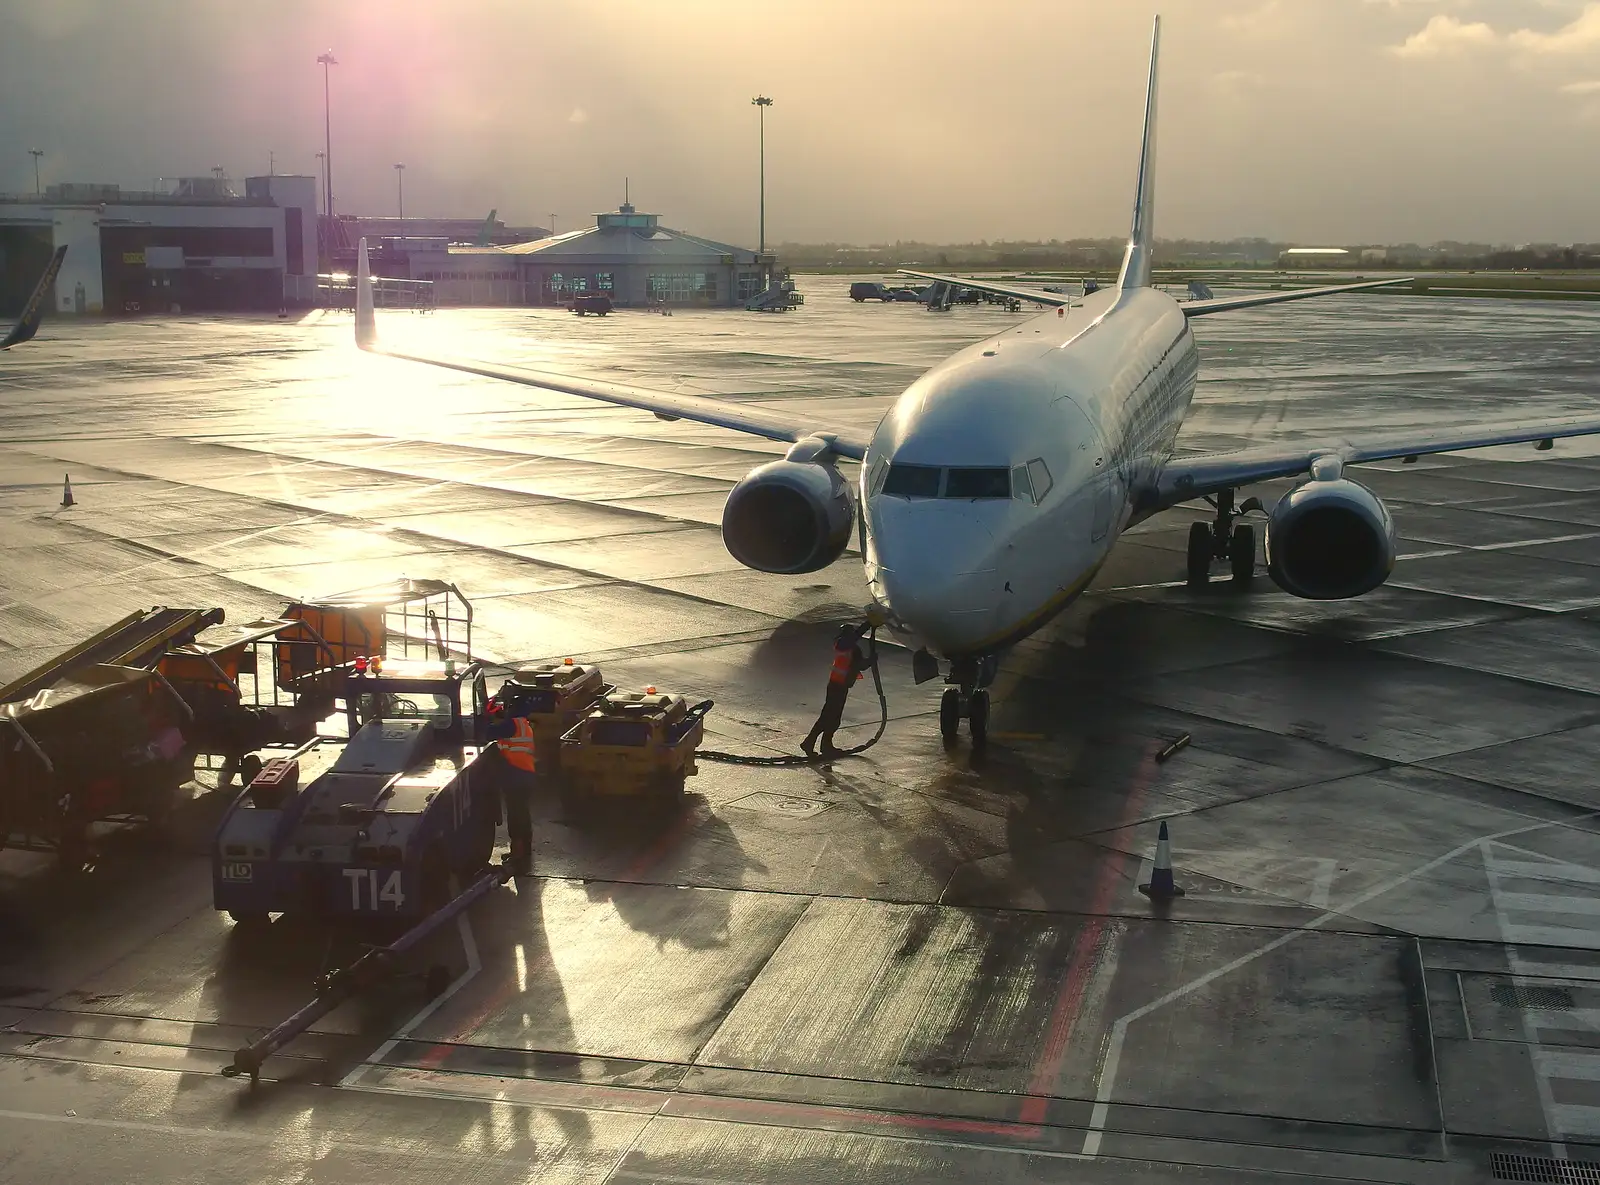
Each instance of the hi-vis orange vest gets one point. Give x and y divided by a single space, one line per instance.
518 749
841 666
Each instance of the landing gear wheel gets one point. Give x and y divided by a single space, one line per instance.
950 714
978 717
1242 554
249 919
1199 569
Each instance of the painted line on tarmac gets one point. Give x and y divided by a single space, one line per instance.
433 1058
474 965
1119 1031
1089 962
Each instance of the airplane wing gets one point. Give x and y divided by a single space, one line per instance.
1053 299
702 409
1186 478
1226 304
43 294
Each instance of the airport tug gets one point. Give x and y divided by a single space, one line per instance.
372 825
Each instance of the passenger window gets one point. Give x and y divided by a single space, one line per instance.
913 481
1039 475
978 483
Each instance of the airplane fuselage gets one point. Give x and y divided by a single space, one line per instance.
1000 479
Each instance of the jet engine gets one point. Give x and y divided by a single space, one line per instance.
1329 537
789 516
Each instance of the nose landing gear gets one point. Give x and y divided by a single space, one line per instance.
968 698
1223 538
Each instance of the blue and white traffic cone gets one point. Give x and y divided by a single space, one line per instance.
1161 886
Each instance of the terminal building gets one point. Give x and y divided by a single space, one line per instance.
197 247
626 255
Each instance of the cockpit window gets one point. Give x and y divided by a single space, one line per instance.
1039 474
978 483
1021 486
913 481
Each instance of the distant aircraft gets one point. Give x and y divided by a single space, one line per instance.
486 231
995 487
43 295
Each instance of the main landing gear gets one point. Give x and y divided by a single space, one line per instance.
1223 539
967 697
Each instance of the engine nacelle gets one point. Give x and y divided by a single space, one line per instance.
789 517
1330 538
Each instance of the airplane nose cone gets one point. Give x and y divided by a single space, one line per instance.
934 567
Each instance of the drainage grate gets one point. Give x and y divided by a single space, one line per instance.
1543 1170
1526 995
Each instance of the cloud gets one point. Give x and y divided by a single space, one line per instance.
1591 87
1444 36
579 115
1580 35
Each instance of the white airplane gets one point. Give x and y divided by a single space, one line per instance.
994 488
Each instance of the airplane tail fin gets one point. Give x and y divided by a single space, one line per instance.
1141 240
366 321
43 294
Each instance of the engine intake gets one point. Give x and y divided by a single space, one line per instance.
789 517
1330 539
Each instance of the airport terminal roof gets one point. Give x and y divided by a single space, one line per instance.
628 234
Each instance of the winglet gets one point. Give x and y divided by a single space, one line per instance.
43 296
1141 239
366 322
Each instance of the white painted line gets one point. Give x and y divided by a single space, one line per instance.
1322 886
1119 1031
1568 1019
1548 903
1573 1120
1552 936
1534 542
1568 1063
474 965
1533 969
1549 871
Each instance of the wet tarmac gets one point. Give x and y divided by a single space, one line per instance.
925 964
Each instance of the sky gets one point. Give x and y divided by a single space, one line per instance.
1309 121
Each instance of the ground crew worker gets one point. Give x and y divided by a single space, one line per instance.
849 661
515 740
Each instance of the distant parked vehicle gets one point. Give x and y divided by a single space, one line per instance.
597 303
868 290
913 295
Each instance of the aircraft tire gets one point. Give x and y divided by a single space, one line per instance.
978 716
950 714
1242 554
1199 557
249 919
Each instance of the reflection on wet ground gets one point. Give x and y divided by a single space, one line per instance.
926 964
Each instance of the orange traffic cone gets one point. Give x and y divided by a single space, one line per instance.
1161 886
66 489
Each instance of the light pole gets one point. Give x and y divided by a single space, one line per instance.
322 174
327 60
400 193
762 102
552 226
36 153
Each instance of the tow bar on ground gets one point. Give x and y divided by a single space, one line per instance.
371 968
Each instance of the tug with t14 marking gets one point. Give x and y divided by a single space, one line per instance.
374 826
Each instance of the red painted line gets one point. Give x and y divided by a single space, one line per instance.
780 1108
1086 949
